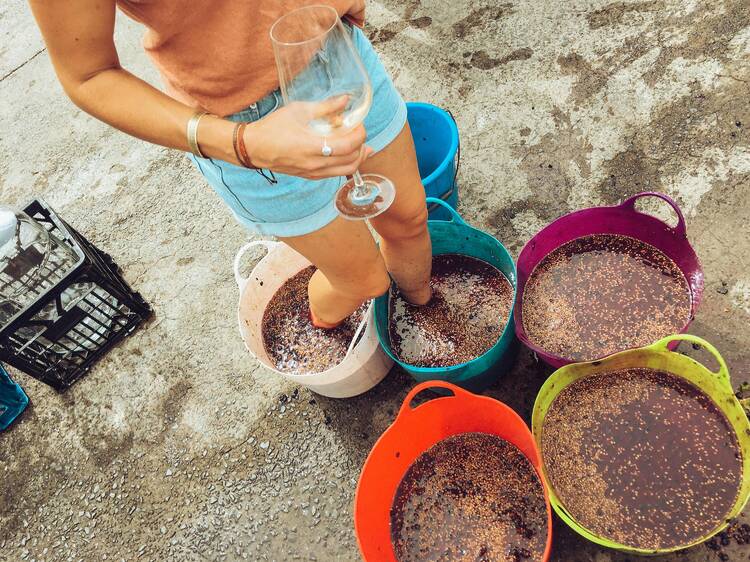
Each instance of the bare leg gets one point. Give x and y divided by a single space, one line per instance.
405 244
350 269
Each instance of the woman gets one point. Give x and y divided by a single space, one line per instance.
215 56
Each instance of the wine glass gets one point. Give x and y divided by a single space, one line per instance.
317 61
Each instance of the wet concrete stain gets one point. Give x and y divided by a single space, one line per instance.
477 18
617 13
421 23
589 81
629 172
174 400
682 131
483 61
709 40
500 222
410 7
551 167
392 29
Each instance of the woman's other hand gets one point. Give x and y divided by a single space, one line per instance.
283 142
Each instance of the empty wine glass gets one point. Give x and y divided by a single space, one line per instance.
317 61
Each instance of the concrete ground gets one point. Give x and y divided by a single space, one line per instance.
178 446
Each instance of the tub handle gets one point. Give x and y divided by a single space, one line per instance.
680 229
242 281
406 406
458 154
722 373
455 217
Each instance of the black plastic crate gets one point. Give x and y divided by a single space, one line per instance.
59 336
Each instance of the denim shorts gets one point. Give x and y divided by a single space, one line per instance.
295 206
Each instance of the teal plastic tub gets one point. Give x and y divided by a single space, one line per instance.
456 237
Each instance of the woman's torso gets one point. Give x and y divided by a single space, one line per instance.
215 54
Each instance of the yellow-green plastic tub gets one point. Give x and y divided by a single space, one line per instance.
716 385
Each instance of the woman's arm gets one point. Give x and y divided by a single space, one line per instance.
79 39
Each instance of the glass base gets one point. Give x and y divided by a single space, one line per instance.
367 201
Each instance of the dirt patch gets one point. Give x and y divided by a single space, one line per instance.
421 23
709 40
629 172
480 59
174 401
501 220
589 81
552 166
411 6
617 12
392 29
678 133
387 32
478 17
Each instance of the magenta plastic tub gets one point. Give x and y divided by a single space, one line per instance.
621 219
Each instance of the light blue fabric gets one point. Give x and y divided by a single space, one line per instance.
296 206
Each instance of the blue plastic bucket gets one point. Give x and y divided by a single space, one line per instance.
438 154
456 237
13 399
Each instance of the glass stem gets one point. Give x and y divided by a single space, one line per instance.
359 184
362 194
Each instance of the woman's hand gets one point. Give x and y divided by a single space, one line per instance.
283 142
356 13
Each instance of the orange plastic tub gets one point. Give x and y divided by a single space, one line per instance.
413 432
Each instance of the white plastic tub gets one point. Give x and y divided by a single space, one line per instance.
363 367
